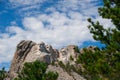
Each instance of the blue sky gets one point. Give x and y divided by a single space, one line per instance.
56 22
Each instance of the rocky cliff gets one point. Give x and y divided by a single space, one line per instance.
29 51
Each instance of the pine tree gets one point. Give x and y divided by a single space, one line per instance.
110 36
104 64
36 71
2 73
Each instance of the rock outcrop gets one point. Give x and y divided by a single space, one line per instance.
63 75
29 51
66 53
23 48
90 48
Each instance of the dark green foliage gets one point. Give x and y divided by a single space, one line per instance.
36 71
67 67
104 64
61 64
76 49
95 64
110 37
53 63
71 58
2 73
111 10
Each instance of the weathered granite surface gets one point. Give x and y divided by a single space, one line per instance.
29 51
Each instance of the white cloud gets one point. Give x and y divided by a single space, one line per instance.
61 31
85 7
33 7
57 28
107 23
32 23
17 3
26 7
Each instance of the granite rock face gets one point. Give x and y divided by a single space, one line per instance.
29 51
63 75
66 53
23 48
91 48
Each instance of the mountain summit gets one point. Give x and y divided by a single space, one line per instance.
29 51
